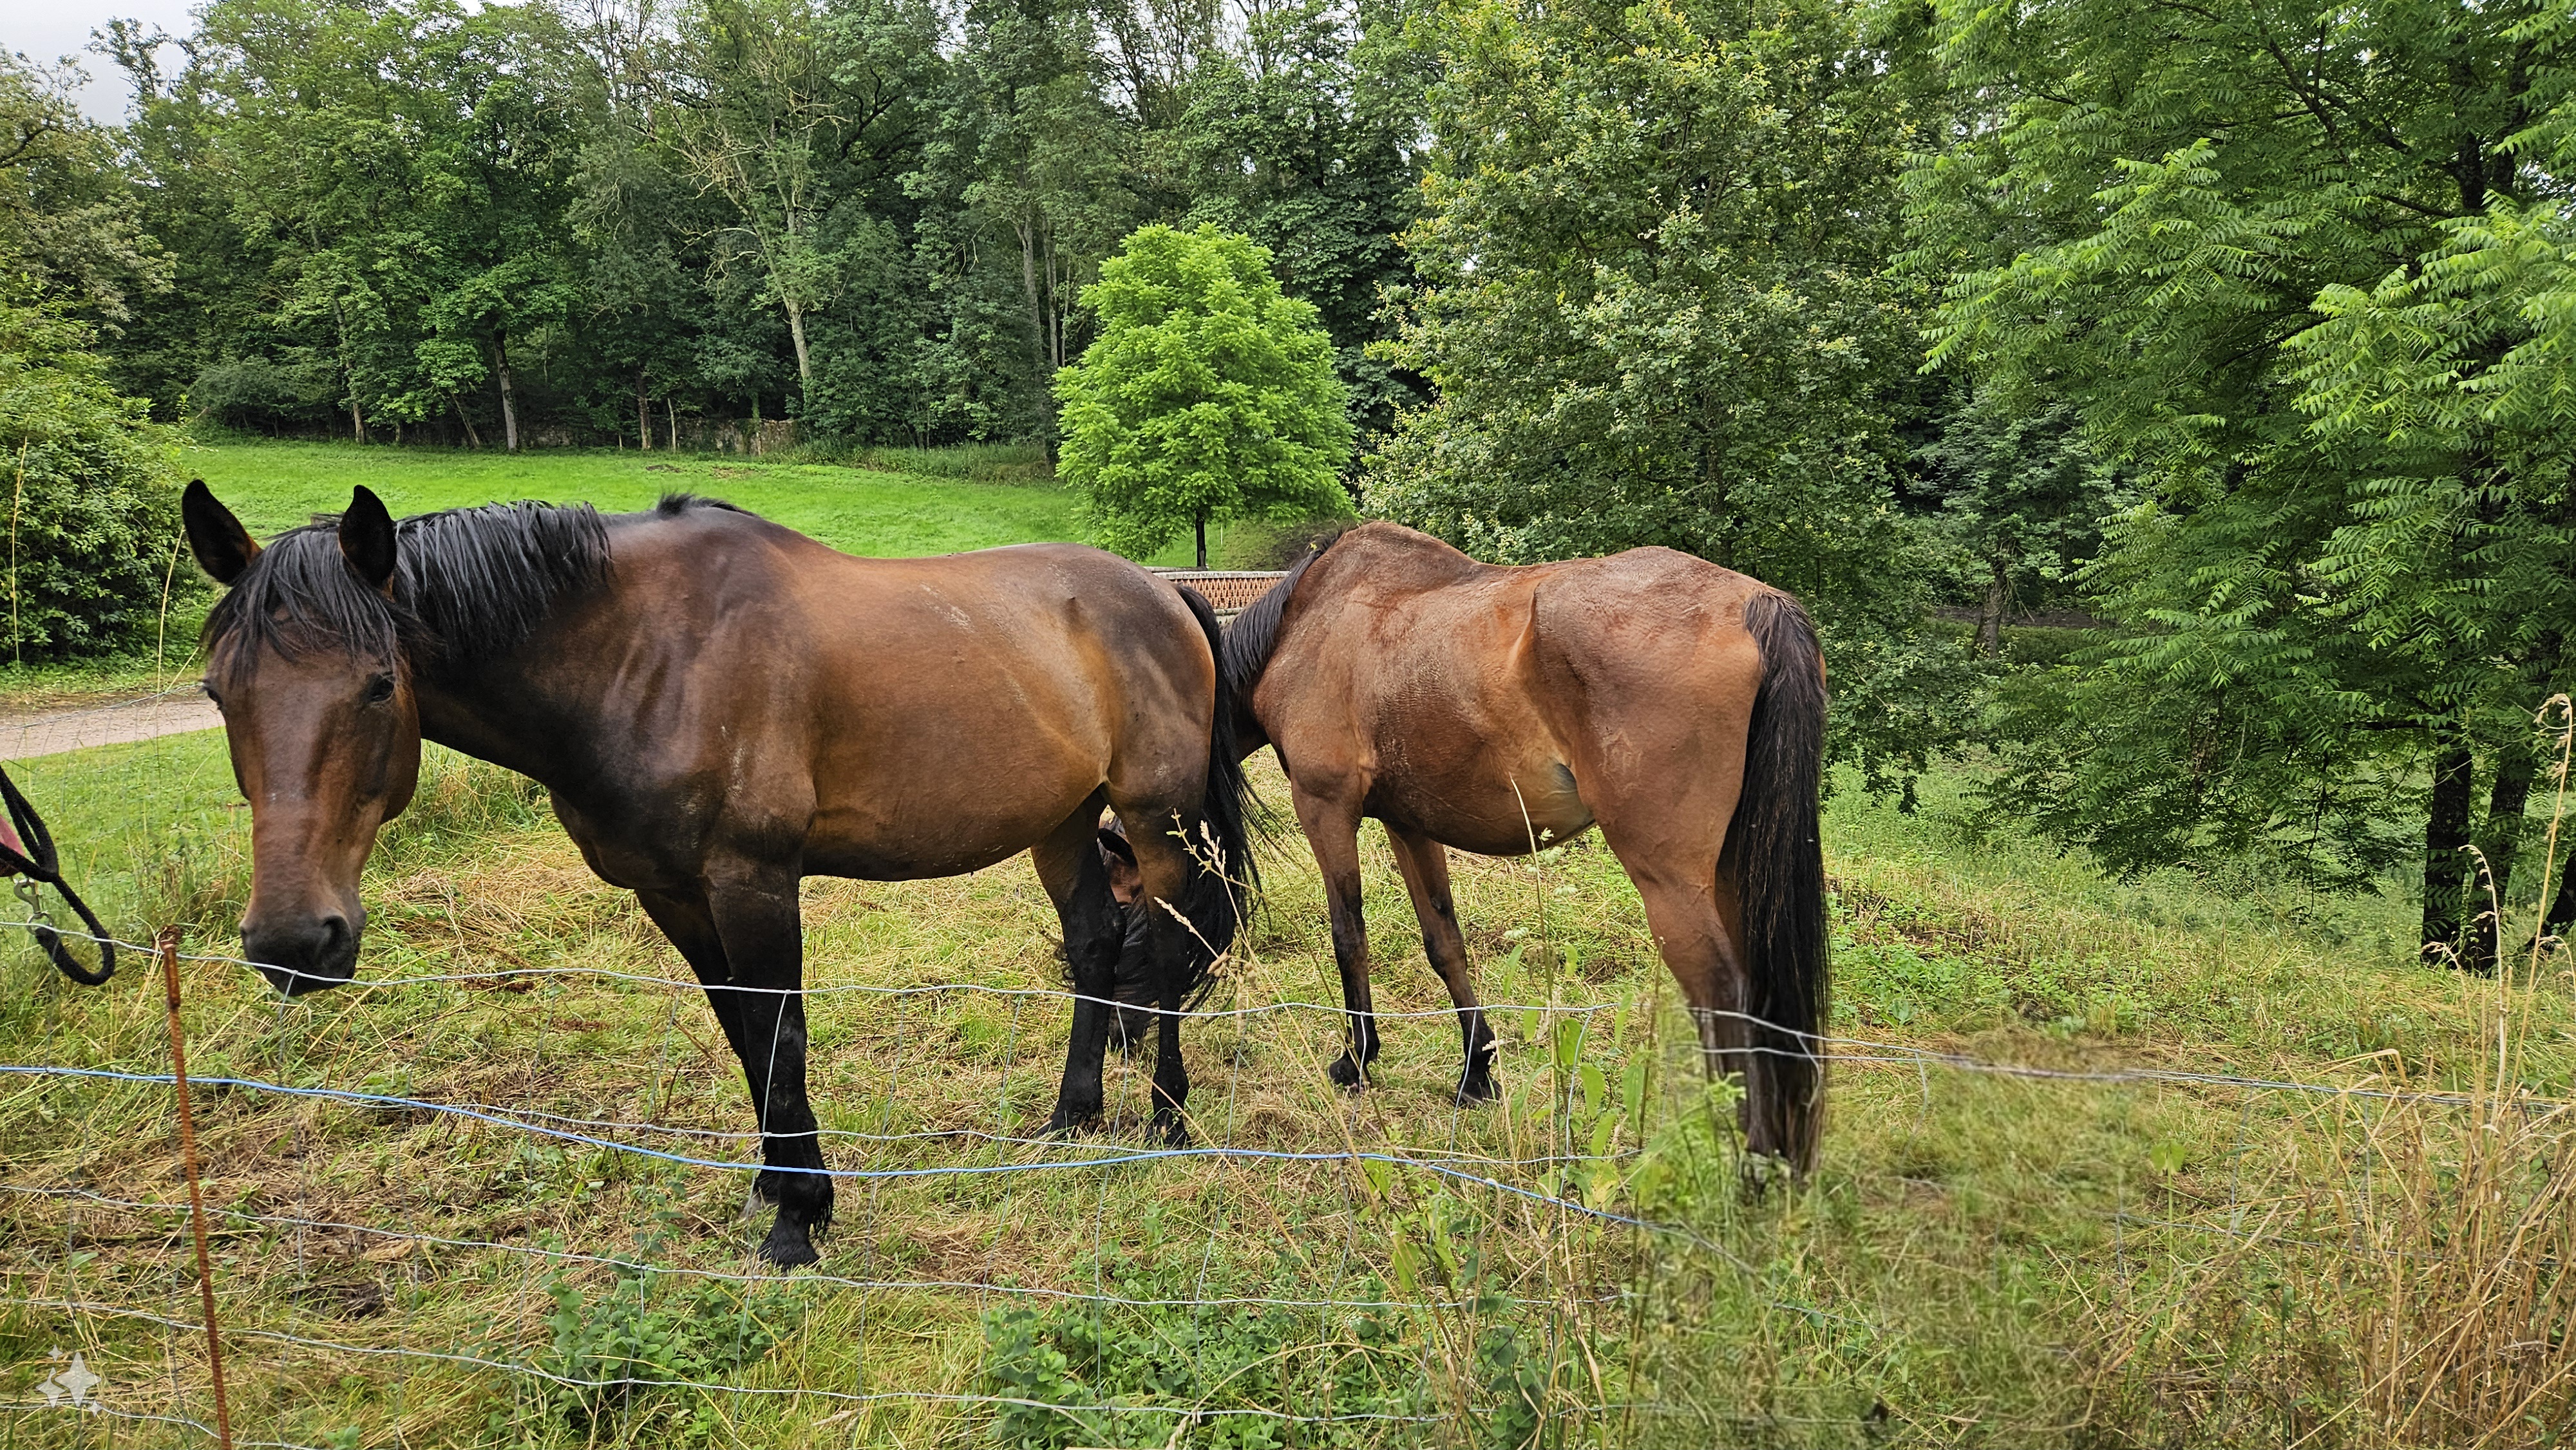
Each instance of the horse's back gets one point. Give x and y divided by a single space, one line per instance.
927 716
1485 704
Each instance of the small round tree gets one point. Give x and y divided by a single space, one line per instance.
1208 395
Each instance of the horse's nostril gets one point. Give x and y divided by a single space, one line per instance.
335 932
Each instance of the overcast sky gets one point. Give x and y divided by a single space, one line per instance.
44 30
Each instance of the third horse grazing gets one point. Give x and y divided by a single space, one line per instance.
719 707
1678 705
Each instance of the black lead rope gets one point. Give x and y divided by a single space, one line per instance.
32 858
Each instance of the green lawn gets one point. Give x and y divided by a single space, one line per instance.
275 486
859 509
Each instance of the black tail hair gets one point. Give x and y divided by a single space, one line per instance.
1223 879
1780 876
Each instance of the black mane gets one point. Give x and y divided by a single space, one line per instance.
468 583
1255 632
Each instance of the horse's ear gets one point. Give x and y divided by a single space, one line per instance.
367 539
222 546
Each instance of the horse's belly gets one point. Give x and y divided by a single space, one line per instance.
1497 814
874 845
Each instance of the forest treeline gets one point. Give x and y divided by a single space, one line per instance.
2242 335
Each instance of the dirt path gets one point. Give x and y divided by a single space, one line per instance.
54 731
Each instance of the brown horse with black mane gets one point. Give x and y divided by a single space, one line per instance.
719 707
1678 705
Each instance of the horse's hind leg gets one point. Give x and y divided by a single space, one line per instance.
1425 864
1332 826
1163 863
1692 913
1076 880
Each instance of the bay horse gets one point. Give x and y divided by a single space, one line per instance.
719 707
1678 705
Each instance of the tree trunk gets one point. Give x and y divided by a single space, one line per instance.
671 410
2502 844
1990 614
1201 522
2446 830
509 401
643 414
473 439
357 420
1027 229
2562 907
796 330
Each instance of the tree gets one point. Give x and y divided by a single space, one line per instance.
2245 243
1306 141
1209 394
1656 299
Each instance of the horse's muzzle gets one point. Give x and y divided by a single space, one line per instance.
304 954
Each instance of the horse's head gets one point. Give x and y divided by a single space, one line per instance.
305 660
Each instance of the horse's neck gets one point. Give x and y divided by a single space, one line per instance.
526 712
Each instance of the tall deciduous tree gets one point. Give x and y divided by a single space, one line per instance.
2274 256
1656 301
1209 394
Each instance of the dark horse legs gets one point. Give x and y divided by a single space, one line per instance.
755 923
1070 869
1425 864
1095 930
1332 827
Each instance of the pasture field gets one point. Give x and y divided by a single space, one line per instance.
2169 1162
2050 1253
890 502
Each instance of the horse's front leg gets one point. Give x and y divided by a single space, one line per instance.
1425 864
1332 827
755 916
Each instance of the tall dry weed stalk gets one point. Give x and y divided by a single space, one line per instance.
2469 1212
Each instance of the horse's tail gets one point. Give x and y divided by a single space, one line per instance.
1218 899
1780 877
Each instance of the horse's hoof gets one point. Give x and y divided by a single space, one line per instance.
1346 1073
1477 1088
1173 1129
788 1247
1069 1122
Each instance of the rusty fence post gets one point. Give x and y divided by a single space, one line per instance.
167 943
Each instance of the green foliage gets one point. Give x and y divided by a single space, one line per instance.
876 216
1209 394
1134 1374
93 508
2342 570
651 1327
1627 353
1162 1364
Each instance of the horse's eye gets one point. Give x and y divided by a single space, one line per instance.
380 689
211 695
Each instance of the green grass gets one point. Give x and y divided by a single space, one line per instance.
1980 1259
888 502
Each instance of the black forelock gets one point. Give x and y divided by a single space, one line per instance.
1254 634
468 583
